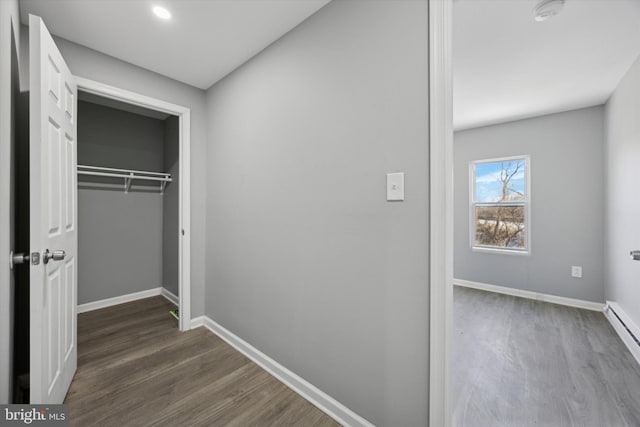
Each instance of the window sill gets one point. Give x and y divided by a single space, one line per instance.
499 251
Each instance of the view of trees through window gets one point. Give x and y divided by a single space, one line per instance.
499 203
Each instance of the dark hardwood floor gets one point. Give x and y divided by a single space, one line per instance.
519 362
136 369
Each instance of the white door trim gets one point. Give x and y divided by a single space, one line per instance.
184 116
440 212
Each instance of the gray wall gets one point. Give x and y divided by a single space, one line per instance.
94 65
305 258
171 206
9 18
622 114
119 235
567 193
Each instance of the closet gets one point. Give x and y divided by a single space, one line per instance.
128 203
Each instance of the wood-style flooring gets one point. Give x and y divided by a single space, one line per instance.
520 363
136 369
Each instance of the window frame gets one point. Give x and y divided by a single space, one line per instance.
526 203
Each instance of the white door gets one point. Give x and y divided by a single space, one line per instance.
53 227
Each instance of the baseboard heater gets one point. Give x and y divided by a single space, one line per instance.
635 339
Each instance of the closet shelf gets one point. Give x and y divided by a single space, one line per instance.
127 174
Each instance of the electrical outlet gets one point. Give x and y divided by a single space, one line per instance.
576 271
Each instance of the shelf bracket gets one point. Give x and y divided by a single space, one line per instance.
127 183
162 185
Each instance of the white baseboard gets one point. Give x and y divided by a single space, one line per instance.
570 302
196 322
173 298
620 329
95 305
317 397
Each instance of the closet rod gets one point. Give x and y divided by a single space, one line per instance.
131 176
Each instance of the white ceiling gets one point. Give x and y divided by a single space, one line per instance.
508 67
204 41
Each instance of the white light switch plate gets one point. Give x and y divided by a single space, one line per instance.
395 186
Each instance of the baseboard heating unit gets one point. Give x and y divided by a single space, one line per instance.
625 327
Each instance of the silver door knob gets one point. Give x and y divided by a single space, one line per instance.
635 255
55 255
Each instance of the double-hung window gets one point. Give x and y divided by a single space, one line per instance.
499 205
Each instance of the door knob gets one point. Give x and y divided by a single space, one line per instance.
635 255
55 255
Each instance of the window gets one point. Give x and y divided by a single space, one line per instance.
499 213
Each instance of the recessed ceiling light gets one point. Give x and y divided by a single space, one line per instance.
547 9
161 12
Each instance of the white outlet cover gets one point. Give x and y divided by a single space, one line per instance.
576 271
395 186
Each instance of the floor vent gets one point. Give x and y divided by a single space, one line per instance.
637 341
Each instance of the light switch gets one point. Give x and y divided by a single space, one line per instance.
395 186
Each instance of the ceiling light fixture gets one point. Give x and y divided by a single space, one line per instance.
546 9
162 13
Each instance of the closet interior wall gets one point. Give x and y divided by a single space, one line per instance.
125 240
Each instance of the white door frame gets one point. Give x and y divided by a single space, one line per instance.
184 216
440 211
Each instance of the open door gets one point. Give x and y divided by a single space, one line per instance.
53 228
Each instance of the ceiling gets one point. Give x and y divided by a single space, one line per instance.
203 41
508 66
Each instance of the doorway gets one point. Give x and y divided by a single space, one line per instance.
178 124
127 182
528 312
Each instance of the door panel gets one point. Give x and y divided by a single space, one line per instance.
52 178
70 183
